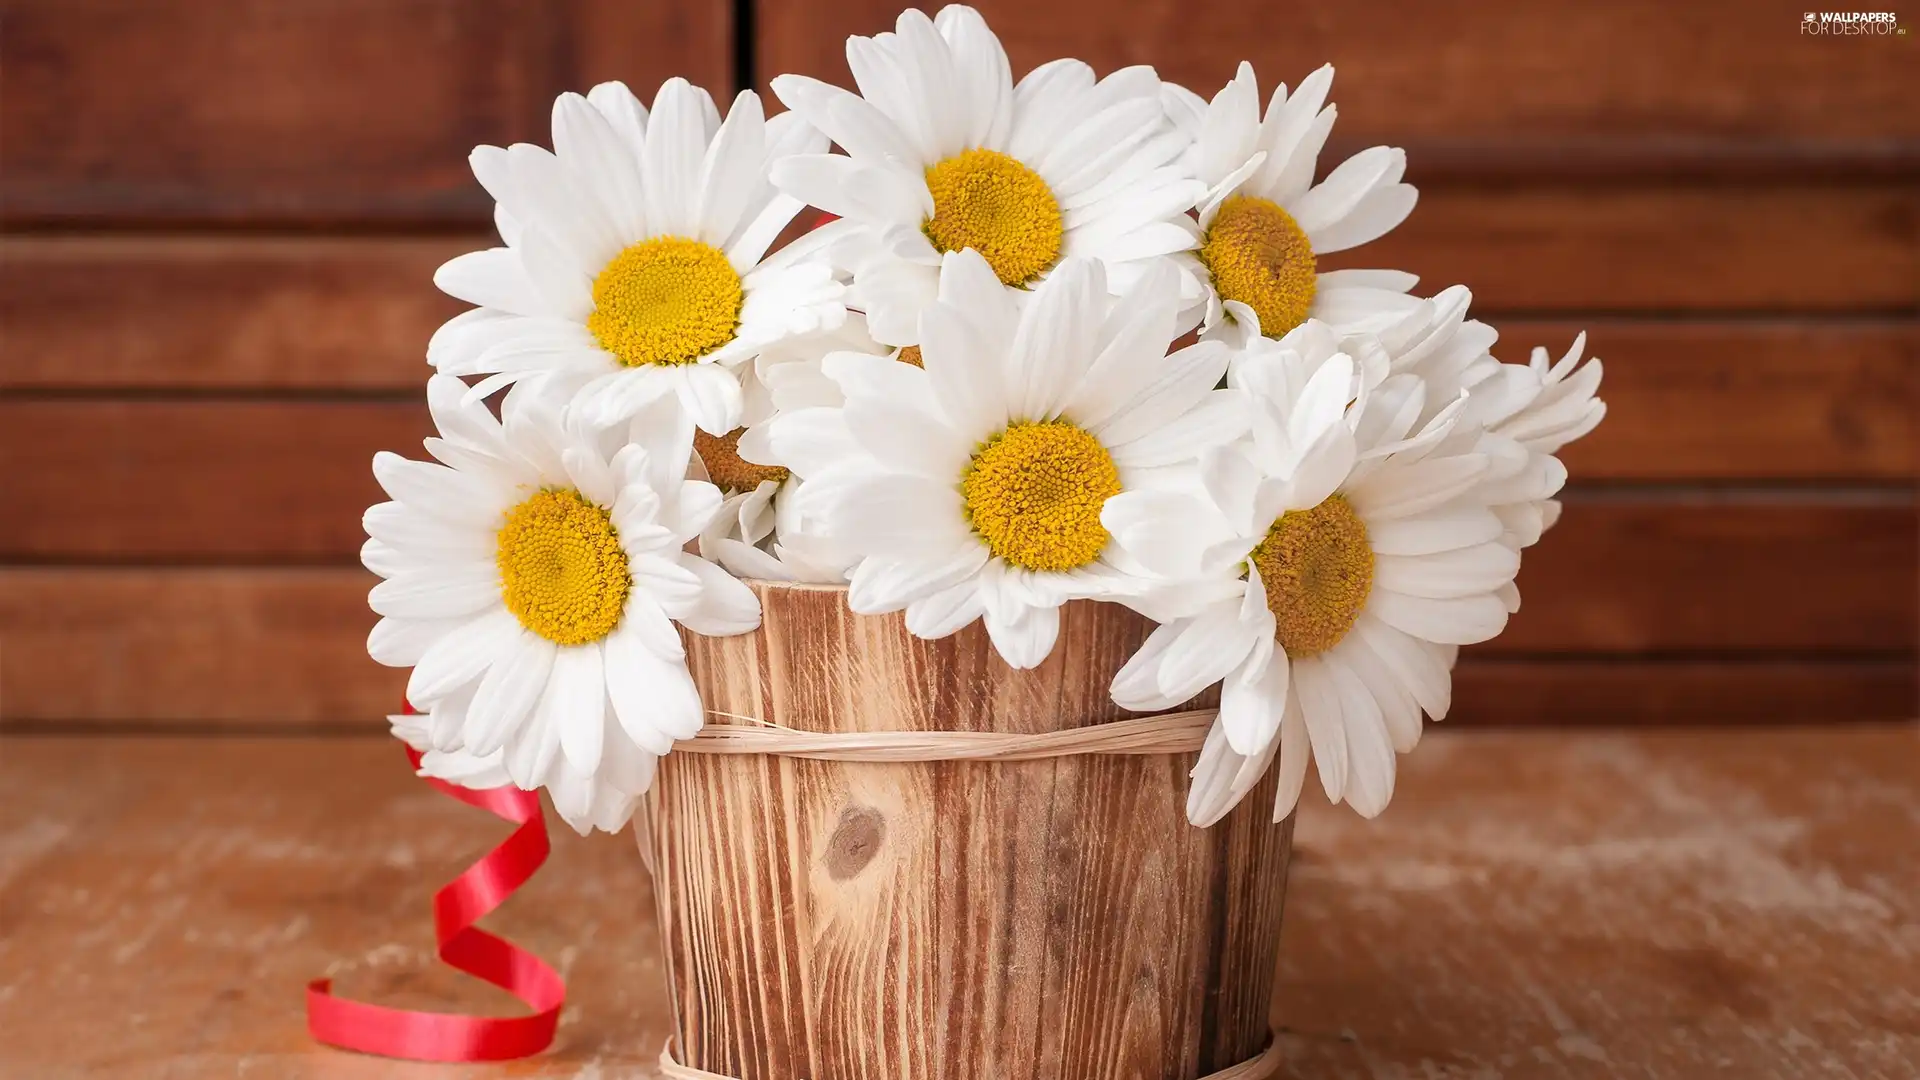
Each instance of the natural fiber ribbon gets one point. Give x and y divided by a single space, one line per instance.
1257 1068
1168 733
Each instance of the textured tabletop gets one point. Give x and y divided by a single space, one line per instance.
1739 903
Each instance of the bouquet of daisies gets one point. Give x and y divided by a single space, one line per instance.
1062 338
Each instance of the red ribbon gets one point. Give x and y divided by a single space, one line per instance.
431 1036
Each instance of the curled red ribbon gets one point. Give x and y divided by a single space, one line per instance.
482 887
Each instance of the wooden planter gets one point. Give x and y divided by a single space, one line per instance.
1045 920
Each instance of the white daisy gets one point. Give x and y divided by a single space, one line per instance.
757 533
981 485
533 580
1538 407
603 801
1360 558
1264 222
1525 412
635 265
944 152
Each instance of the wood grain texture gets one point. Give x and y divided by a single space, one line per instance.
1723 87
1055 919
1761 248
307 110
1738 571
221 313
195 481
1764 399
1533 906
1602 690
275 647
267 647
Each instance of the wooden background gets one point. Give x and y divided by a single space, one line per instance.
221 218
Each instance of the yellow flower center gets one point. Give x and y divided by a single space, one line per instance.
726 468
987 201
1259 256
1317 567
910 355
1034 494
562 571
666 301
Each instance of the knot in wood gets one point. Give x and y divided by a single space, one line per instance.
855 841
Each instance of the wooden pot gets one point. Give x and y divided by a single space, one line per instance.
1044 920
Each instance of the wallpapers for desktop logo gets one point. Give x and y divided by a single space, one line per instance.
1851 24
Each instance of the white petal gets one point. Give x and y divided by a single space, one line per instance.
1251 710
1373 217
1023 636
1408 489
1181 382
508 693
711 395
1417 664
654 697
810 441
1370 758
1445 575
624 112
461 655
1295 749
1053 346
1398 707
896 512
402 642
1206 649
451 496
1335 197
1323 468
1221 778
438 591
1218 418
852 189
494 278
1136 685
575 704
1426 534
725 605
959 364
881 584
1461 621
945 612
670 165
731 174
532 749
1320 705
602 161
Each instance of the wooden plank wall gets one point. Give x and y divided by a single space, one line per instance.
221 217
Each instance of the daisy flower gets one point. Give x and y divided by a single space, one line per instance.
1264 223
945 152
532 581
757 533
635 264
982 484
1360 558
1536 408
605 801
1525 412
